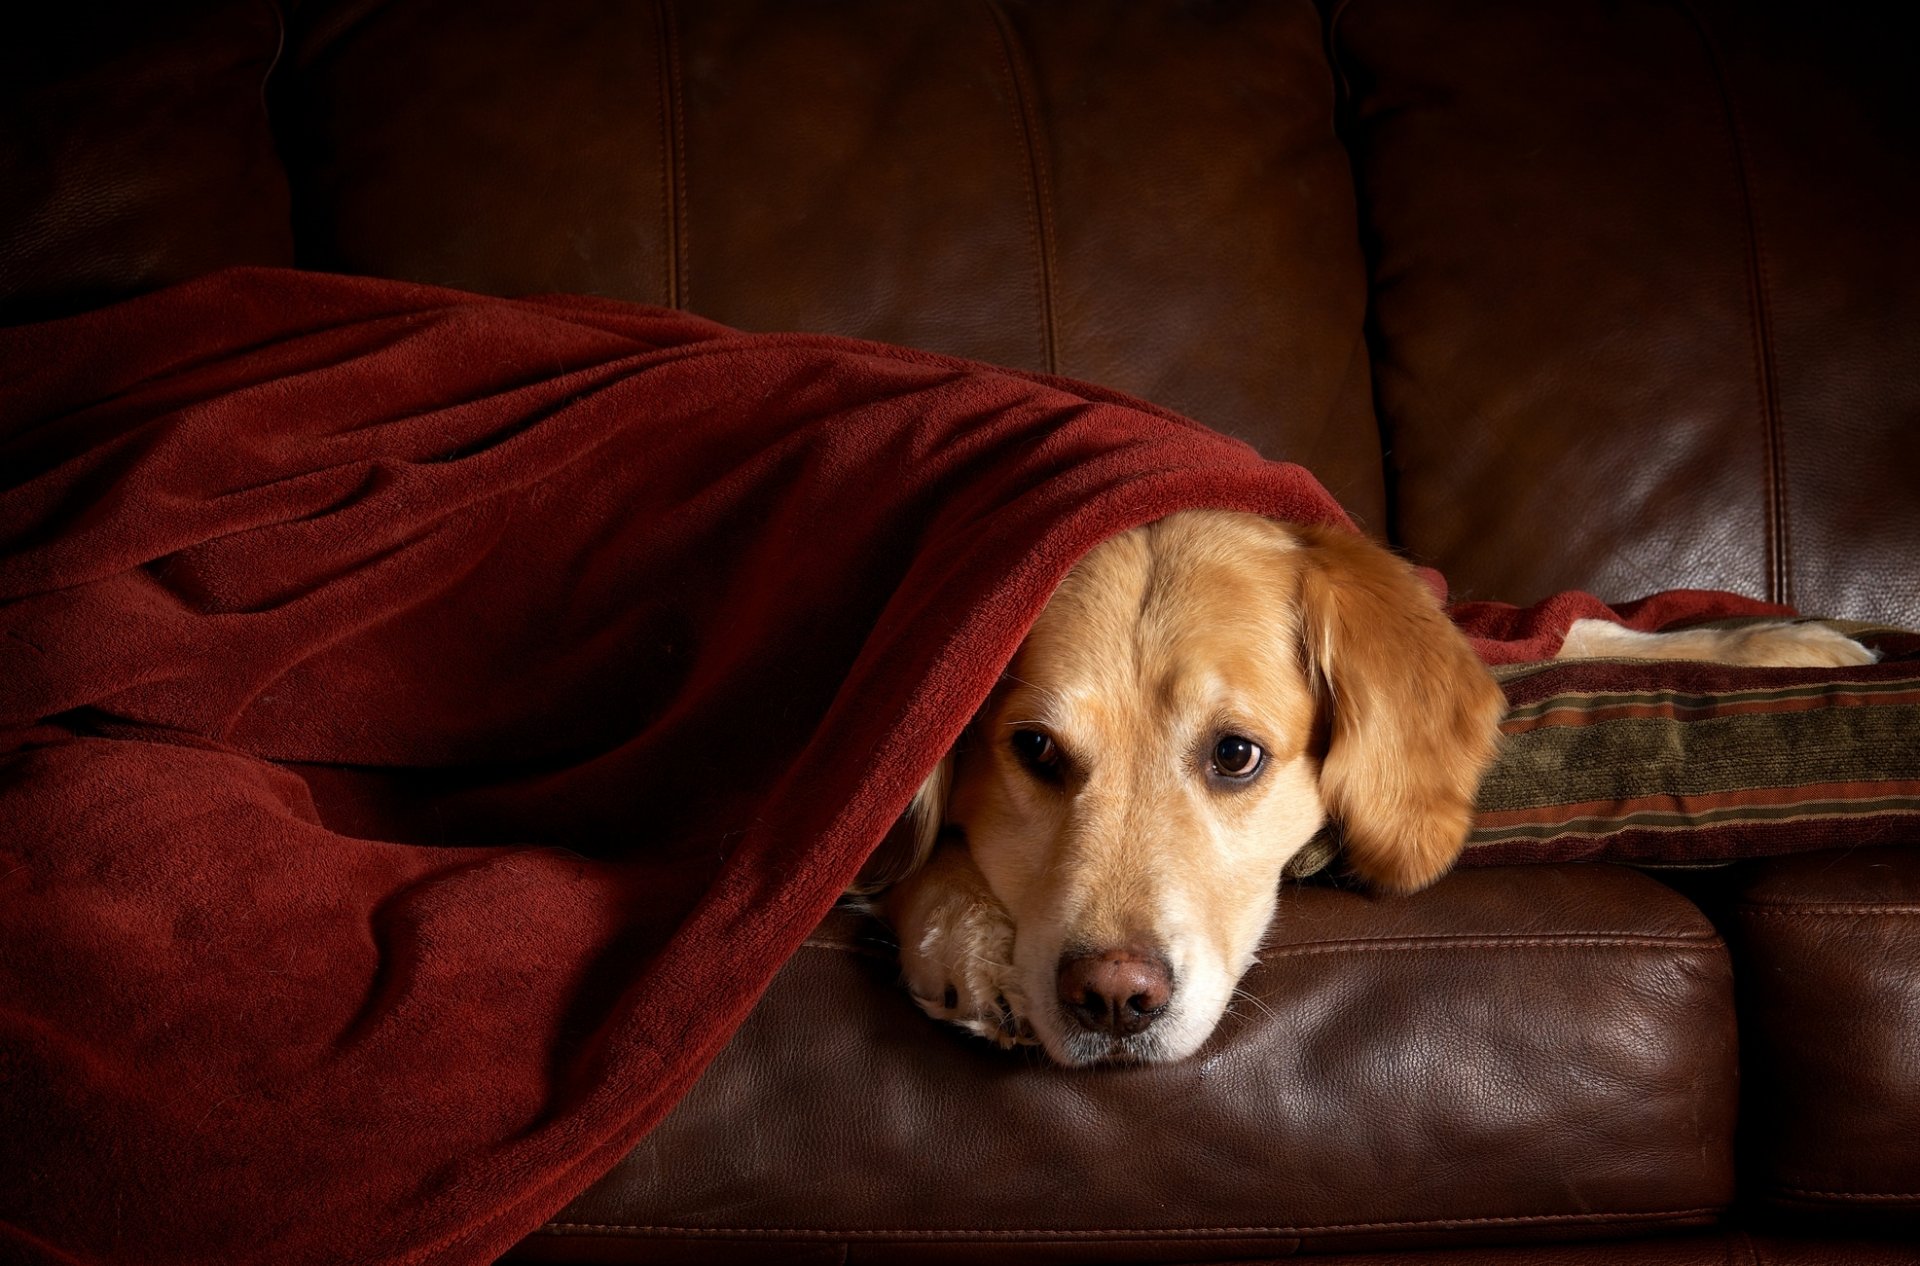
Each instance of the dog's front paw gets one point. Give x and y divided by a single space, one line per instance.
956 948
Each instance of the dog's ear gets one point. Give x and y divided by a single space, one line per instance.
1414 716
910 843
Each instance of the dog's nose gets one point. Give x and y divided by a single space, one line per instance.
1118 991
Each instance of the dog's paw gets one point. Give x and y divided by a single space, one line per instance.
1803 645
956 949
1774 644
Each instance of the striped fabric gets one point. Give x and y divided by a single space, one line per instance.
1688 763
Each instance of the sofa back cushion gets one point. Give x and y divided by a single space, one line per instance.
1647 293
1151 197
135 150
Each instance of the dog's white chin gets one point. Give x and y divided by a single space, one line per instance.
1080 1049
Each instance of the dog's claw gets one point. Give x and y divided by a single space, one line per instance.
1014 1029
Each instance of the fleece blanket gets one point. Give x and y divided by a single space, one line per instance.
428 721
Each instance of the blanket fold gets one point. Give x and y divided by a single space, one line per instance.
427 721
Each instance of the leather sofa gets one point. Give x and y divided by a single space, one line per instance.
1589 295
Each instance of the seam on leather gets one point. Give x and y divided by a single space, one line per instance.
1039 191
1778 551
1130 1233
1330 47
266 78
1814 910
1362 945
673 176
1848 1195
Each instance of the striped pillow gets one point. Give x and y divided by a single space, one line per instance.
1633 761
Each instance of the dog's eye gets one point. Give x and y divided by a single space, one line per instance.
1038 752
1236 757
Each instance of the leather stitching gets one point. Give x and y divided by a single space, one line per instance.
1039 190
673 176
1131 1233
1778 550
1812 911
1690 943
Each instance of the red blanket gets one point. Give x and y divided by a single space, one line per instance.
427 722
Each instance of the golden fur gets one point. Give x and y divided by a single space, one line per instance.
1084 873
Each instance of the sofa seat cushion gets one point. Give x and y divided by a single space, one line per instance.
1518 1052
1829 961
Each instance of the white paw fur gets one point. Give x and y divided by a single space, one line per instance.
956 949
1775 644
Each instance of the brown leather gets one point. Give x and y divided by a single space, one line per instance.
1646 294
134 150
1511 1054
1150 196
1829 960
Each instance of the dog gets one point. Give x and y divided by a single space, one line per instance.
1093 868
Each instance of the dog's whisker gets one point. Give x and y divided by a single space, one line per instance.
1264 1008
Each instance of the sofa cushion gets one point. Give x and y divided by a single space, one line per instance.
135 150
1647 289
1829 962
1517 1052
1147 196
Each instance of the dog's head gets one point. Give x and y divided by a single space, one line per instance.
1198 698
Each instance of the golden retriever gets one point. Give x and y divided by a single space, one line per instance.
1094 867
